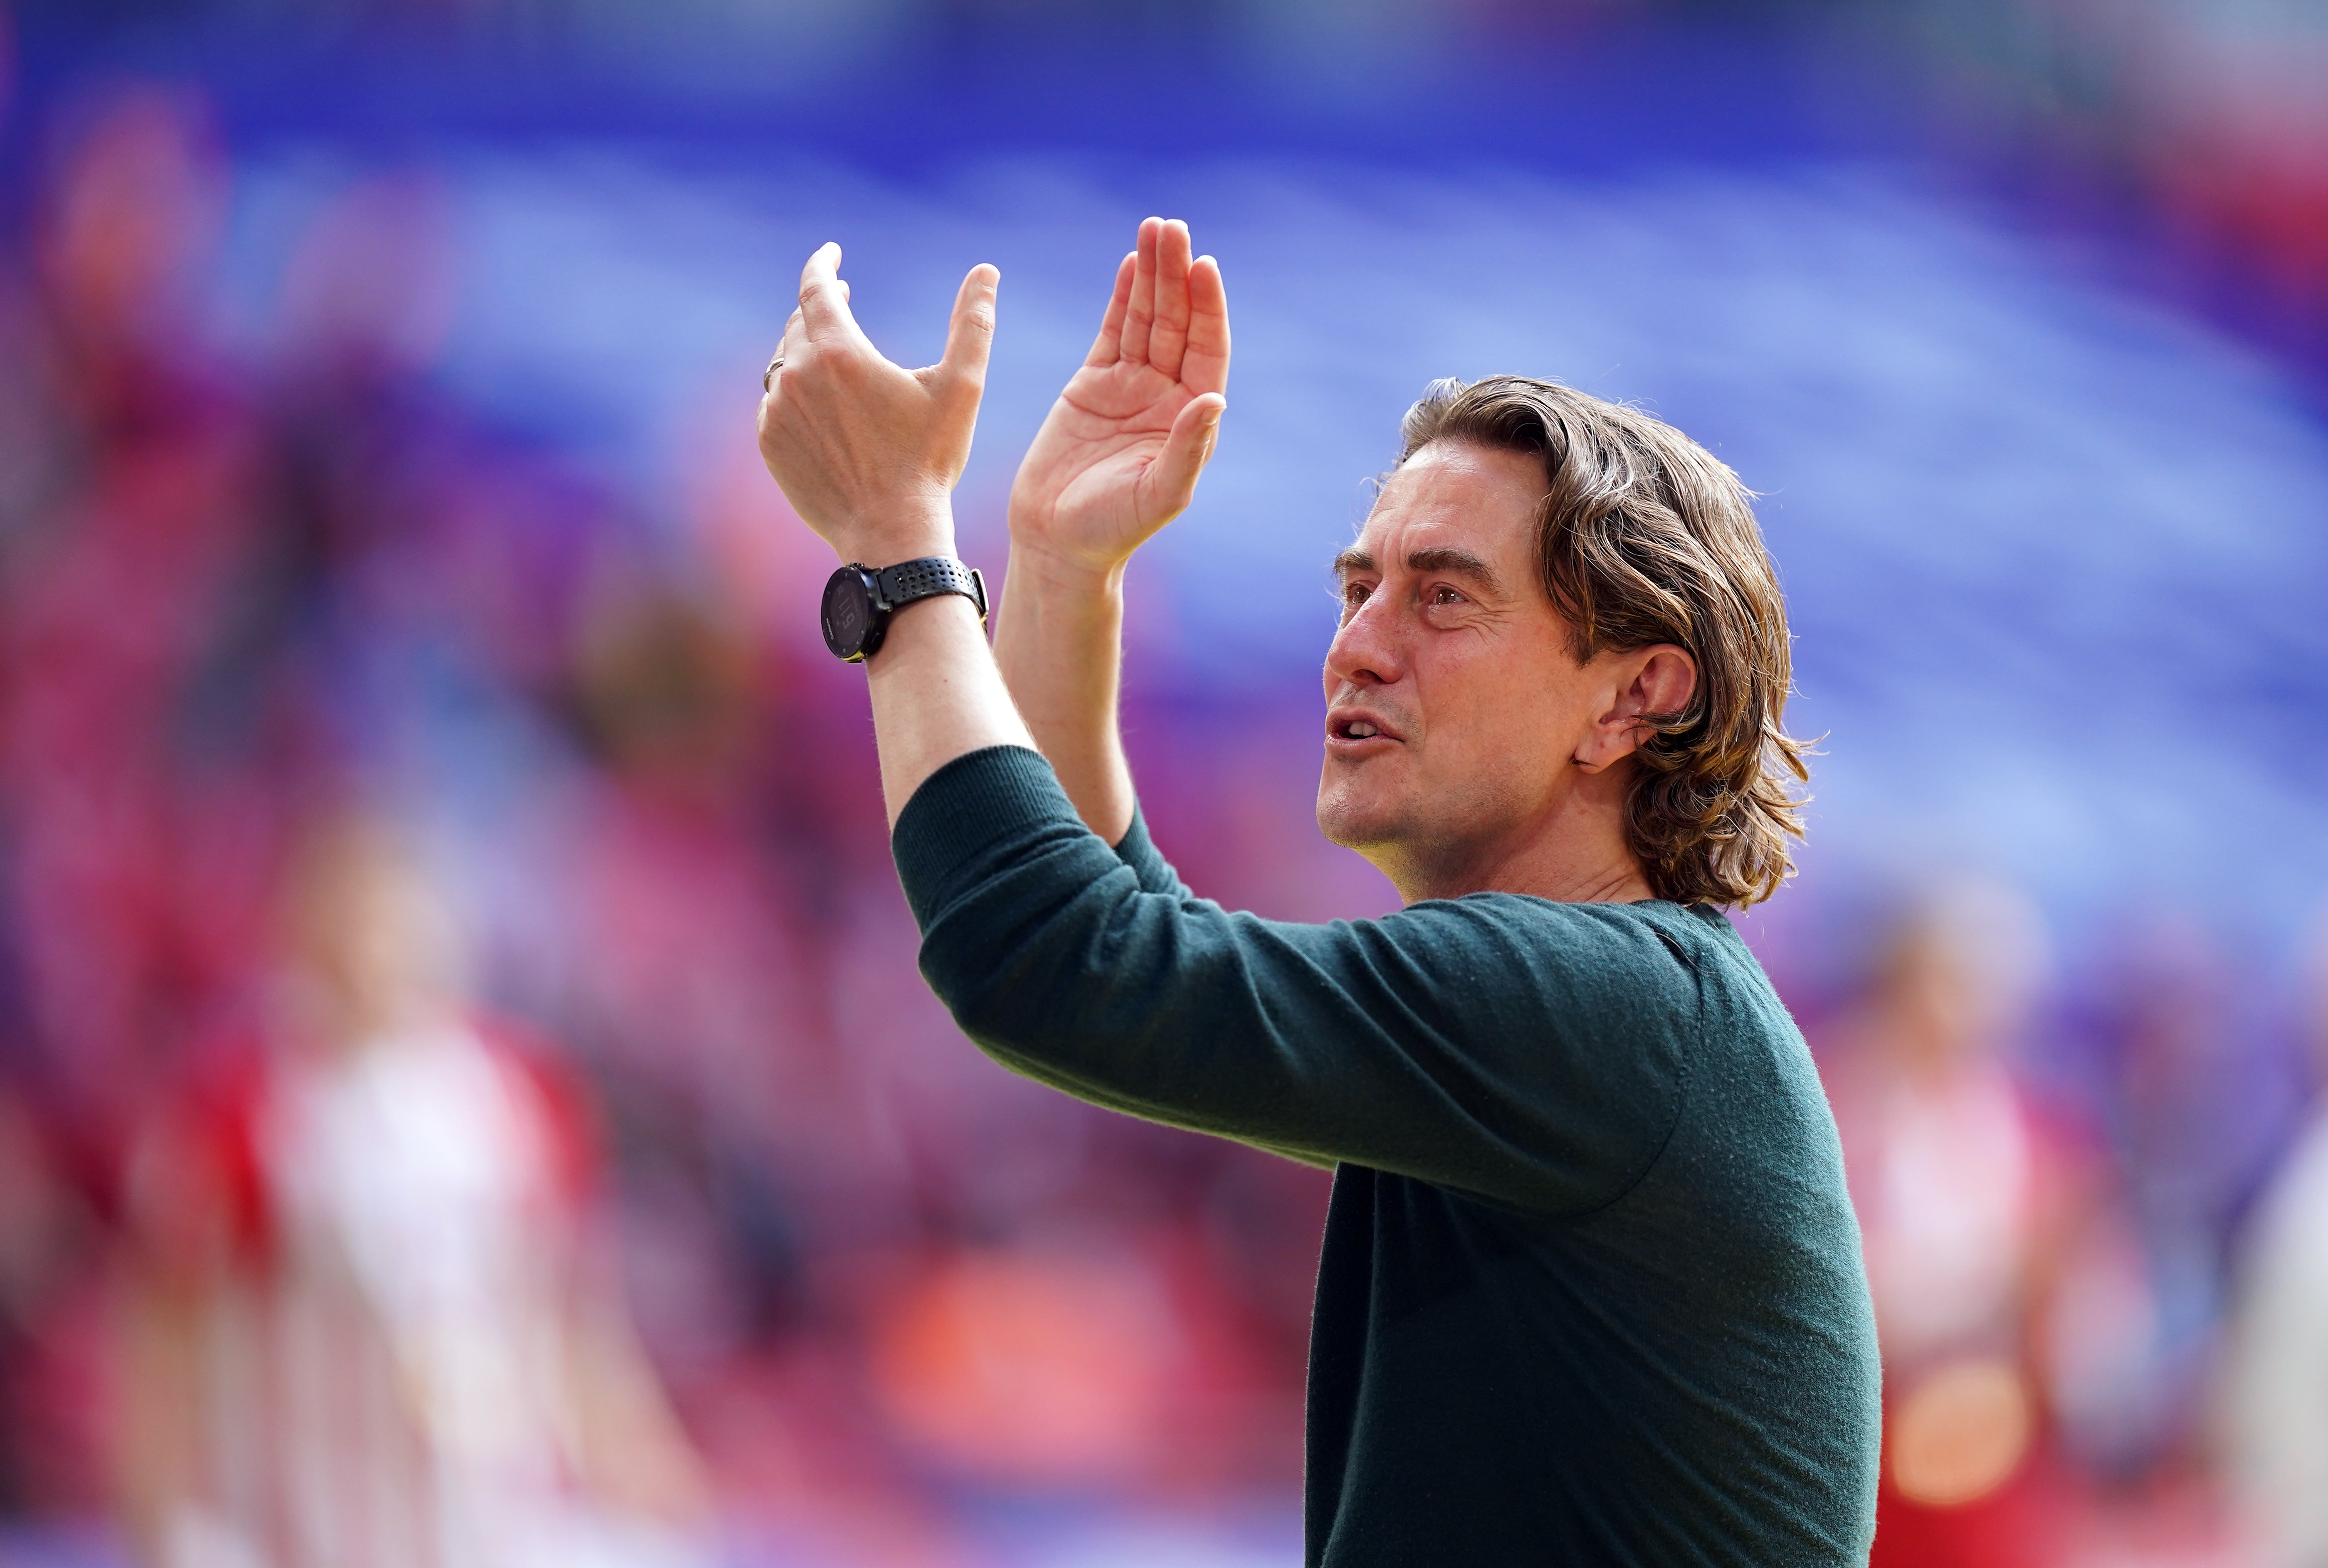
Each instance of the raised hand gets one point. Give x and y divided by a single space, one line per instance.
1116 460
867 453
1119 455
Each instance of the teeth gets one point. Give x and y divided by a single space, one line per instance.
1361 730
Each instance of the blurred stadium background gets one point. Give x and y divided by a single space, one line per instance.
464 1092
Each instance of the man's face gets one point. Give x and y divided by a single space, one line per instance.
1454 705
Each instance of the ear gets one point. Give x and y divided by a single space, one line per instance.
1642 684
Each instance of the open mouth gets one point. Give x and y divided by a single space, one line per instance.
1354 727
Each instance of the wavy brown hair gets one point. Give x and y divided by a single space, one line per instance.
1645 538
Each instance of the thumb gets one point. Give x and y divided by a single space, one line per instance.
1172 478
970 336
823 297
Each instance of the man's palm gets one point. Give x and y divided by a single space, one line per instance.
1119 456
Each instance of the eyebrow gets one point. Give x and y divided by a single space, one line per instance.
1459 563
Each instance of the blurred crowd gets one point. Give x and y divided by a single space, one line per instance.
468 1095
2091 1232
465 1095
2208 114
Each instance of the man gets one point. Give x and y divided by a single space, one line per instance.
1590 1290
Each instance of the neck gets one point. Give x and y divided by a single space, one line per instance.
1572 852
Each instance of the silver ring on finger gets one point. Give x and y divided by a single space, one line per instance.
768 376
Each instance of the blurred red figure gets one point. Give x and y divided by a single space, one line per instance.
130 878
363 1325
133 873
1950 1175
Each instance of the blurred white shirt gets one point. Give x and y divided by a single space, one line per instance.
2275 1390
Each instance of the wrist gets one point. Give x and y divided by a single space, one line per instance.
907 534
1053 573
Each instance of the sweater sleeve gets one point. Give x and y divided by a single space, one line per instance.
1524 1050
1138 851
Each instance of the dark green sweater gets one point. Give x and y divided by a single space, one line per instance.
1591 1288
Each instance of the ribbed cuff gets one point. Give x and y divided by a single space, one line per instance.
1138 851
969 804
1135 847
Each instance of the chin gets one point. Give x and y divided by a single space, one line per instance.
1347 817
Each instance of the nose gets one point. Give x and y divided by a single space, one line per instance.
1365 650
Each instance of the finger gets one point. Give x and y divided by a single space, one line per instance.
1171 479
787 347
1108 347
1169 334
823 297
1205 365
776 359
788 353
970 335
1140 311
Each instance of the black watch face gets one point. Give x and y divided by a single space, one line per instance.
847 613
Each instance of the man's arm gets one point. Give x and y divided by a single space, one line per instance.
1529 1051
1116 460
867 453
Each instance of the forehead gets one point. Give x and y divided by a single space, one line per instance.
1458 497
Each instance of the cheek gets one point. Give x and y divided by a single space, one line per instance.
1503 708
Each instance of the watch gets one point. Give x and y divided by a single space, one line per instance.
859 601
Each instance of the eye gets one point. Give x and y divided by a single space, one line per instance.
1442 596
1353 595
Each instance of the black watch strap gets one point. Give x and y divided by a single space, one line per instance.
900 584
